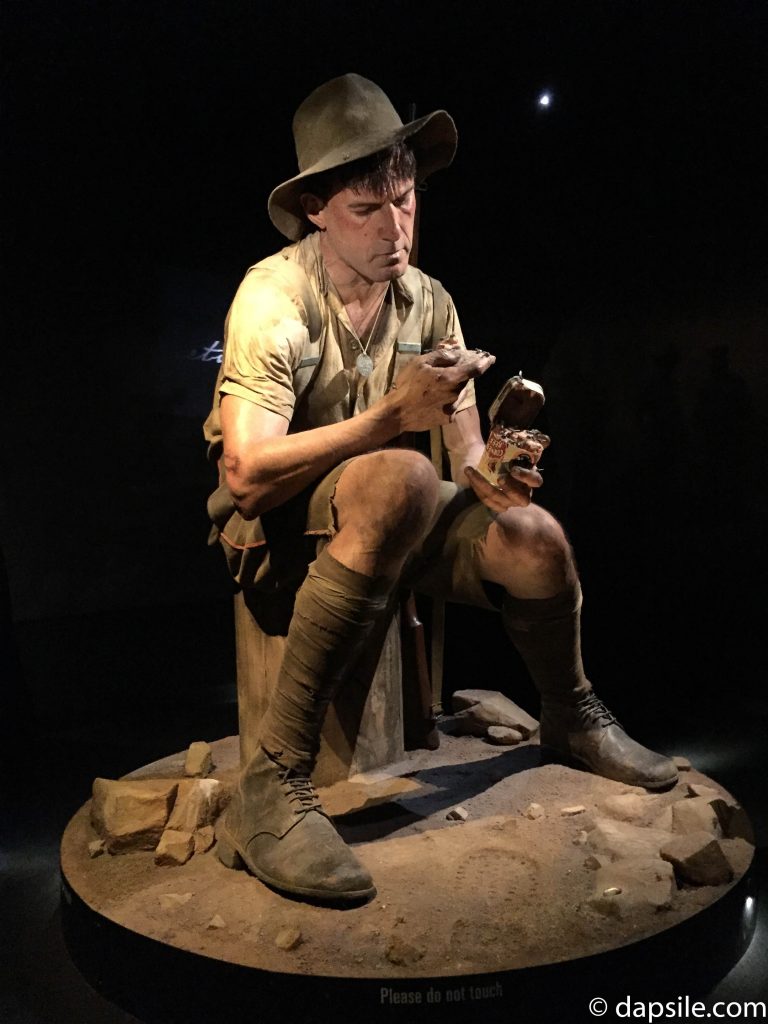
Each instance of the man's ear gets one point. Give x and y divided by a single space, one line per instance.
313 207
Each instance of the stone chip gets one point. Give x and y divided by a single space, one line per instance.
458 813
621 840
199 759
204 839
198 803
175 848
131 814
502 736
695 814
490 707
534 811
626 888
288 938
698 859
630 806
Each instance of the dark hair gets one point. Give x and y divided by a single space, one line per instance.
375 173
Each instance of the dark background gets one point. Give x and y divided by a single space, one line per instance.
612 246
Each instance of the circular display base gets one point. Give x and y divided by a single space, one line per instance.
506 903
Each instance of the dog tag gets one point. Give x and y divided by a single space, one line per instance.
364 364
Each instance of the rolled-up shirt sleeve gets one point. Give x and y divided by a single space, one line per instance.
265 337
453 329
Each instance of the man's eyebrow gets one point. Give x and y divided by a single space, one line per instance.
363 203
356 203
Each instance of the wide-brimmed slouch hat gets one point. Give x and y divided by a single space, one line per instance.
344 120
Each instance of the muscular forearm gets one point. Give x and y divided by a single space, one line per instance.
266 473
459 461
464 443
265 466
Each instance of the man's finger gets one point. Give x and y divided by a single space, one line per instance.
443 356
497 500
521 475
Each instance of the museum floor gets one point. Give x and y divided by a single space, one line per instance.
96 723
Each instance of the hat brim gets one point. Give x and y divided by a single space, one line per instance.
433 139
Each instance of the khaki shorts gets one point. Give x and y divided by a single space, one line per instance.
270 555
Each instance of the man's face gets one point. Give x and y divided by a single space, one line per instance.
368 232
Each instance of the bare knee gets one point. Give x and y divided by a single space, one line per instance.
536 542
387 498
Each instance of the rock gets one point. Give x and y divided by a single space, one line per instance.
664 820
131 814
569 812
199 759
492 708
733 820
198 802
694 789
682 764
695 815
502 736
630 806
457 814
620 840
174 848
738 853
581 838
96 848
174 900
534 811
402 953
204 839
216 922
288 938
626 888
698 859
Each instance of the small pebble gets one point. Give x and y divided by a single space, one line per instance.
457 814
288 938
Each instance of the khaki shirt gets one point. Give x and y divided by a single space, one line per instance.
293 352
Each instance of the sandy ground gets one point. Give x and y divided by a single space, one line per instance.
495 892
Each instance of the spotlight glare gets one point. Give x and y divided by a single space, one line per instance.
545 99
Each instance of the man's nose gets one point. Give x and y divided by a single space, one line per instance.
389 226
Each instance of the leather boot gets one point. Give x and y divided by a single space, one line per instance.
575 724
585 731
276 827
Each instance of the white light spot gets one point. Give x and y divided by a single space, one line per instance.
545 99
749 904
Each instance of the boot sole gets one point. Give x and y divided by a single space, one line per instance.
550 755
231 856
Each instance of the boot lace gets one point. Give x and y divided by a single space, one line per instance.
301 791
592 711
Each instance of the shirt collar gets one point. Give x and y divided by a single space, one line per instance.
402 290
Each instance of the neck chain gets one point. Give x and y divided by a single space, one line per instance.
364 363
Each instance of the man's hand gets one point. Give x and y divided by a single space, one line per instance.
515 489
431 386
